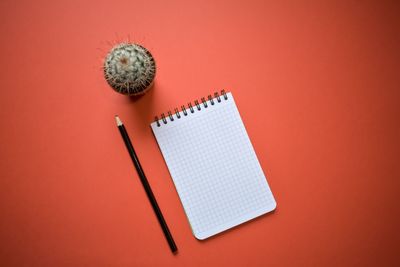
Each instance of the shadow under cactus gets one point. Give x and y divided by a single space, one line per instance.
143 107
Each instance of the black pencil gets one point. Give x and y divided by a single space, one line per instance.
146 185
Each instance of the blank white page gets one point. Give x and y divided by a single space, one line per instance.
214 167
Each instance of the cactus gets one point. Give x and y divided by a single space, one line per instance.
129 69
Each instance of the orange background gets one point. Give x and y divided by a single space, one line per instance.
317 85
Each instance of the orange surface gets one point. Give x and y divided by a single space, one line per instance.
317 84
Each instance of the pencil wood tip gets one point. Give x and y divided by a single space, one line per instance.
118 120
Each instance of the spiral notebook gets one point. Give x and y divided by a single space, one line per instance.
213 165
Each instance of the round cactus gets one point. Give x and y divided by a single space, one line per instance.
129 69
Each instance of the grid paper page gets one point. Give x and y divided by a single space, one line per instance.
214 167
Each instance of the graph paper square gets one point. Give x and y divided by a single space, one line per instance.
214 167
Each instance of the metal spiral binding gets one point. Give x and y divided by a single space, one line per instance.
197 105
211 99
177 113
203 100
190 107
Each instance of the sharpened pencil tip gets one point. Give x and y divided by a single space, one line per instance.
118 120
